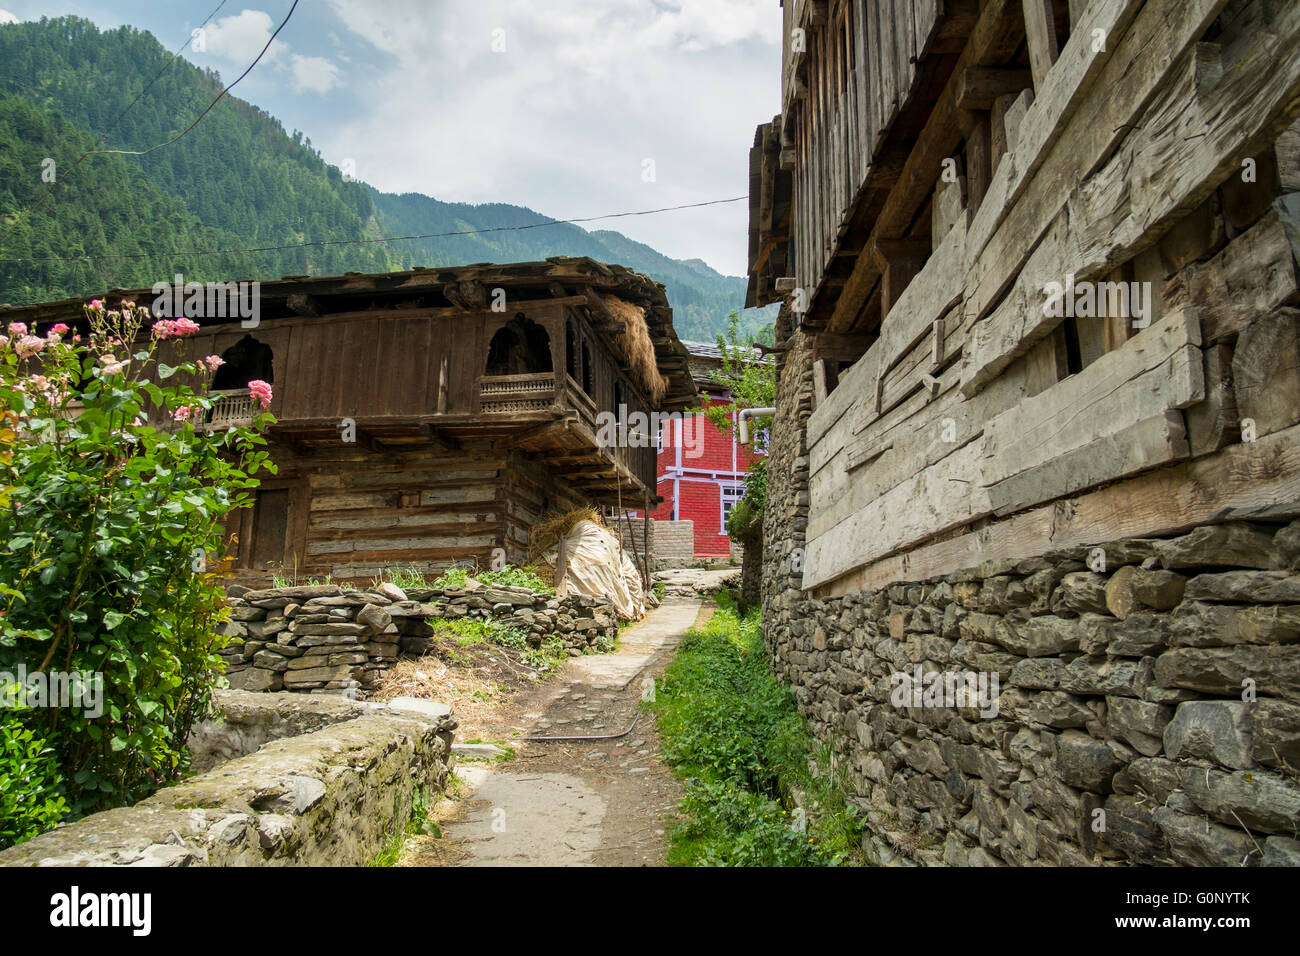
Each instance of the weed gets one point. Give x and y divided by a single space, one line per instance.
735 734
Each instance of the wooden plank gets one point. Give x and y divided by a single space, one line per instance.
1138 447
948 204
819 382
1214 423
943 496
1154 371
998 127
1112 221
1254 274
1239 481
1040 36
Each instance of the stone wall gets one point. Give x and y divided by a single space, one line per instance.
674 543
1148 705
322 638
335 796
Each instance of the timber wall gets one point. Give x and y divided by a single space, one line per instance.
1099 513
353 513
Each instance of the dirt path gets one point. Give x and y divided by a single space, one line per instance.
571 803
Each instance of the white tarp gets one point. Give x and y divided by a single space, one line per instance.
599 567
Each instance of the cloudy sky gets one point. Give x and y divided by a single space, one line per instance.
571 108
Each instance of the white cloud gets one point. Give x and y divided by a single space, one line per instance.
7 17
562 119
313 74
240 38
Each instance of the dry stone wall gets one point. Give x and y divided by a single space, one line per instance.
322 638
1147 702
333 796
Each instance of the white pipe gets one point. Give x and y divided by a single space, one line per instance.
748 413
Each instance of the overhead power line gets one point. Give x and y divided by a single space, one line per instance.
208 108
365 241
126 152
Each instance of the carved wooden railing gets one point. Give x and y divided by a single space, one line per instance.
516 393
234 407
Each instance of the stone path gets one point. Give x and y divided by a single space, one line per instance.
585 802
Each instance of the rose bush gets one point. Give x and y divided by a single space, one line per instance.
111 508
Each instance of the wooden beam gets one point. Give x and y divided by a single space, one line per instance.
1040 35
1259 479
982 86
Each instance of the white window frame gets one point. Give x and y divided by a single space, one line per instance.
735 491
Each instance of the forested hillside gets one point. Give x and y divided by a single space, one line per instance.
238 181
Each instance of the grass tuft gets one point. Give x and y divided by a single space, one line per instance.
734 733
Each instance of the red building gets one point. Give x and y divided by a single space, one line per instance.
701 470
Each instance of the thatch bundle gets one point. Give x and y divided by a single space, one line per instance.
639 350
554 526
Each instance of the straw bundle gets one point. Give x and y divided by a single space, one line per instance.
637 347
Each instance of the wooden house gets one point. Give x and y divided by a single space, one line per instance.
431 416
943 179
1038 421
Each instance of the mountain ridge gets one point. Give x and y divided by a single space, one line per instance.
239 181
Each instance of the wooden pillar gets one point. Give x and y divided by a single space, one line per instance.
1040 35
645 538
561 566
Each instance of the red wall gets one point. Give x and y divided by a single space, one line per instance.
707 464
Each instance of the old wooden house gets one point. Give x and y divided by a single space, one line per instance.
432 416
1038 267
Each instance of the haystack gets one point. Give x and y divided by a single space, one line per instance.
637 347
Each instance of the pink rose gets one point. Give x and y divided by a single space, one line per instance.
17 328
214 362
183 413
29 345
96 305
58 329
261 391
174 328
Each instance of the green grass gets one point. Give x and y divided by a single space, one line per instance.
418 823
471 632
734 733
510 576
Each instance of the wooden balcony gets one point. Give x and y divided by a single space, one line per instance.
536 392
233 408
511 394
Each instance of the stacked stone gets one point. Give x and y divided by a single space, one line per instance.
323 639
1148 713
584 623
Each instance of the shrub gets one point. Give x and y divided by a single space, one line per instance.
109 523
31 790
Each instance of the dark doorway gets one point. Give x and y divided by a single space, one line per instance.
248 360
520 347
